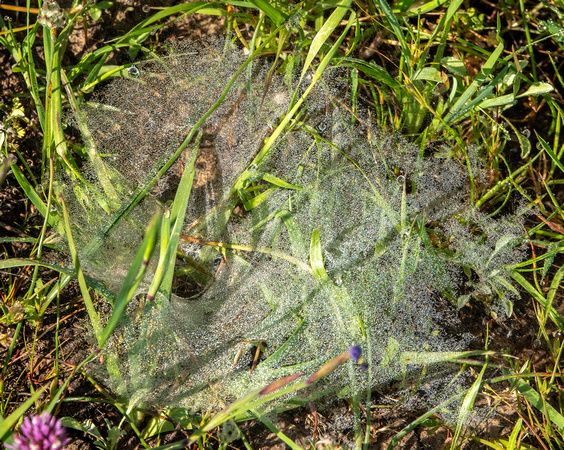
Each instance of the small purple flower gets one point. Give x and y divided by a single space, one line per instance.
43 432
355 352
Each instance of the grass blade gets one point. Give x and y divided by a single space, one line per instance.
557 318
460 106
289 442
323 34
387 11
165 270
468 404
277 17
7 423
92 313
535 399
134 277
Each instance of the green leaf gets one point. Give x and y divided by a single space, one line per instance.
505 241
524 142
325 32
104 4
134 277
316 258
164 274
462 300
556 31
549 259
538 88
21 262
425 8
95 13
280 183
288 116
272 12
468 404
462 104
555 284
392 353
422 357
250 203
535 399
53 218
548 150
554 315
371 69
443 24
430 74
392 19
139 33
296 239
512 442
87 427
503 100
454 65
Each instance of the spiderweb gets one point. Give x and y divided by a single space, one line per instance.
336 237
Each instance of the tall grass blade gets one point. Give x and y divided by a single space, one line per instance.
535 399
133 278
461 105
323 34
165 271
92 314
275 14
7 423
468 404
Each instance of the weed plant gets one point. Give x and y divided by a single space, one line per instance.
245 214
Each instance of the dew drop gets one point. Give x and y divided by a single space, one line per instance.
133 72
543 282
321 126
8 18
400 179
146 9
526 132
338 280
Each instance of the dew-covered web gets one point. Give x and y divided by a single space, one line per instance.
383 209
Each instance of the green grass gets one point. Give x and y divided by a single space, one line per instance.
454 81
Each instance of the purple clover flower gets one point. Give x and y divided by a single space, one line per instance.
43 432
355 352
